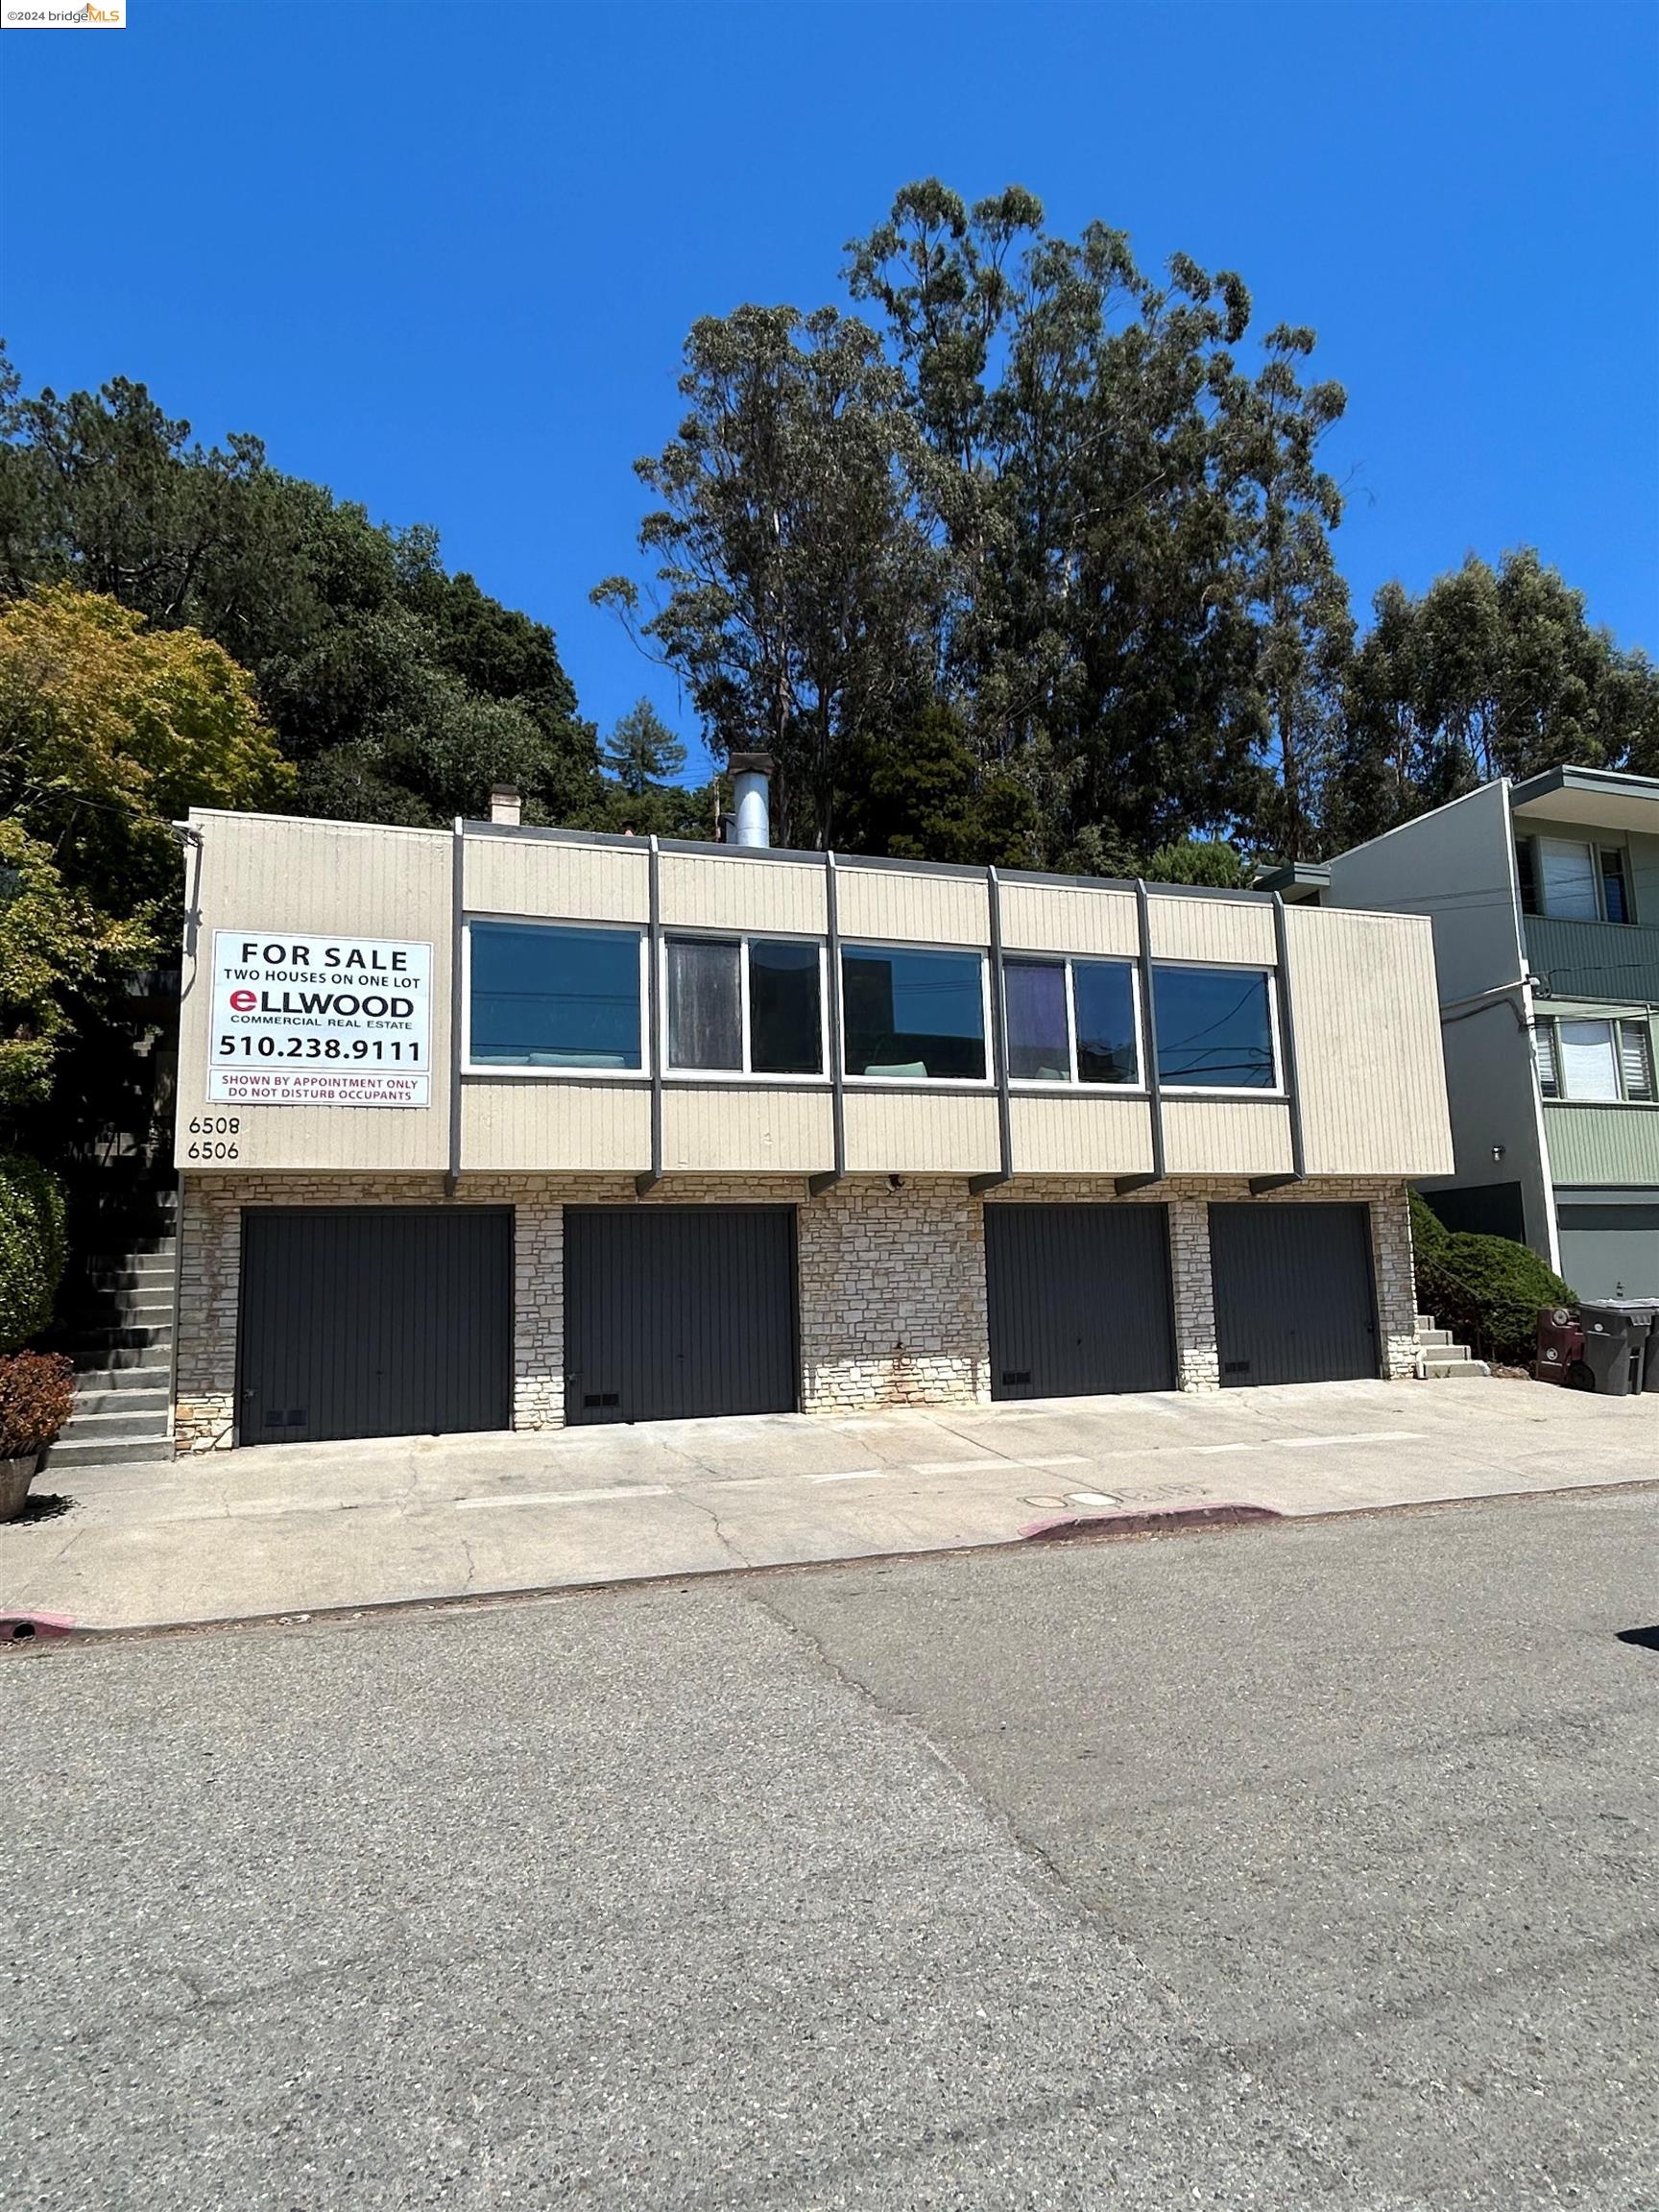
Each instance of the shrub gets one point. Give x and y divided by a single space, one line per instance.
36 1391
31 1249
1485 1289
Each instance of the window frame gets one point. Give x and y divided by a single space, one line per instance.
1596 846
1040 1087
930 1083
746 1075
1275 1094
518 1072
1614 1023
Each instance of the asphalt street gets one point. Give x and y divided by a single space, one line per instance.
1309 1864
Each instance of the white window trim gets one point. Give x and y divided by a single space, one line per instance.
1610 1022
518 1072
745 1076
973 1083
1273 1094
1595 846
1034 1086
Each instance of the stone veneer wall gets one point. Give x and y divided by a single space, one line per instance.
892 1281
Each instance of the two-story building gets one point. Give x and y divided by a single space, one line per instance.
1544 898
509 1127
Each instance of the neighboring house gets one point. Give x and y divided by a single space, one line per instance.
512 1126
1545 900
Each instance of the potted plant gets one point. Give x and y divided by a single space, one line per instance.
37 1392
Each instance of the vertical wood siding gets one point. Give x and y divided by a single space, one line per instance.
1368 1053
771 1129
906 1132
894 906
1226 1137
559 882
1050 918
532 1125
742 894
1081 1134
1213 930
329 880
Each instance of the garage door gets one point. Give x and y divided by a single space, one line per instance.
374 1321
675 1311
1293 1294
1078 1299
1611 1251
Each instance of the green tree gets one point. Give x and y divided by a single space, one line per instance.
923 794
1200 860
794 585
1488 673
641 751
402 692
31 1249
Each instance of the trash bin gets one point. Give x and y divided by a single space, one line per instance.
1558 1356
1646 1310
1616 1337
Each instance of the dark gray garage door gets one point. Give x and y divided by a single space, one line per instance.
374 1321
1079 1300
675 1311
1293 1294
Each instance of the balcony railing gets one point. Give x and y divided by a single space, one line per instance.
1599 960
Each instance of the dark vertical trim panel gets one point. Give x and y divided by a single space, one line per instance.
998 1044
457 997
1148 1042
653 1016
837 1071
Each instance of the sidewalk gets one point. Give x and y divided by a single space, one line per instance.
302 1526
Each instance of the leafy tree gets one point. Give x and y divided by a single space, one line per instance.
1200 860
54 947
110 730
794 585
1488 673
401 691
31 1248
923 794
643 751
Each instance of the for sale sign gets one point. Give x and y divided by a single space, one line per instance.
319 1020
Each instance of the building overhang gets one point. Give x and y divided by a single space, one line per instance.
1596 798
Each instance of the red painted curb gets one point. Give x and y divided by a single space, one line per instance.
27 1628
1157 1522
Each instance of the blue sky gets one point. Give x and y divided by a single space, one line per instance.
442 254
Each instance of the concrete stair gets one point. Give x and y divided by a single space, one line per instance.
1439 1359
122 1347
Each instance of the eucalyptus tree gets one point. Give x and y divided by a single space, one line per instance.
795 589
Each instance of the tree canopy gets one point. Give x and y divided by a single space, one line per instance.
1044 551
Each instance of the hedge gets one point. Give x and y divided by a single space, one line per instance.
31 1249
1487 1290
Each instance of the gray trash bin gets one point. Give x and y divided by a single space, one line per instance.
1616 1342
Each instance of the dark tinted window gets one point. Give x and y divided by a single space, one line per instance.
919 1014
1212 1027
1039 1040
1615 895
554 997
704 1004
1525 876
786 1020
1105 1002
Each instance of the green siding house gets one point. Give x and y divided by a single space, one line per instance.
1544 896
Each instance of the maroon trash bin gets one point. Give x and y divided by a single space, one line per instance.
1559 1354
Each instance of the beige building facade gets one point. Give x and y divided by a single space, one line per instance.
507 1127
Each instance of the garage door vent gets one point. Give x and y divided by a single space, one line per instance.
1016 1378
601 1397
1234 1366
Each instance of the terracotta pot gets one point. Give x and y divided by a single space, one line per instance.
15 1476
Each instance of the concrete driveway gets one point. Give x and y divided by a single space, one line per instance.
299 1527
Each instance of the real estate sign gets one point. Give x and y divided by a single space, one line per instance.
304 1019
